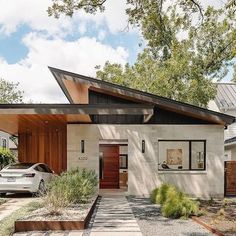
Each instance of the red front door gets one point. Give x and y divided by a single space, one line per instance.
109 166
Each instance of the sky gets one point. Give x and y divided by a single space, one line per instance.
30 41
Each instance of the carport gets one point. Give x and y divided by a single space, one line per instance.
42 128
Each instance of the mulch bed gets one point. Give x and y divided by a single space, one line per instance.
75 217
220 215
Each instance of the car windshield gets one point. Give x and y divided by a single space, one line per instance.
20 166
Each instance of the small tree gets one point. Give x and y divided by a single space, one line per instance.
6 157
9 92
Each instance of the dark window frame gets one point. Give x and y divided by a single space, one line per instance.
189 141
126 162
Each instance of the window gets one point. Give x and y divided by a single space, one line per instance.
182 155
124 161
48 169
20 166
4 143
42 168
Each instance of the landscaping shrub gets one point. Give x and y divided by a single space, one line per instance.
161 195
75 186
6 157
154 195
175 204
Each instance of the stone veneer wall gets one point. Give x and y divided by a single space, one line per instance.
143 167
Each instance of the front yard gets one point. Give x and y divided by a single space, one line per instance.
220 215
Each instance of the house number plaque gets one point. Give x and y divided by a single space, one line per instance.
83 158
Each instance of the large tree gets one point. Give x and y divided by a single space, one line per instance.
187 46
9 92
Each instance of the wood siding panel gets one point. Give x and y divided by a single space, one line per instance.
160 116
230 178
44 143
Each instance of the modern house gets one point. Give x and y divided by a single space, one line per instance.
4 140
132 139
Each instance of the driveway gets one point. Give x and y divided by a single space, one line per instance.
14 202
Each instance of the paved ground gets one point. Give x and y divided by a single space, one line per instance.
152 223
114 217
14 203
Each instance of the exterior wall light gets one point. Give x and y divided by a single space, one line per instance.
82 146
143 146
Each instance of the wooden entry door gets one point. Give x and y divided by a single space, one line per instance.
230 178
109 166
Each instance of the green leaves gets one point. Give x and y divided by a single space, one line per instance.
9 92
68 7
187 46
6 157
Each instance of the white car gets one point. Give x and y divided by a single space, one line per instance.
24 177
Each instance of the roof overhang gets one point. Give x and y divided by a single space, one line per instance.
230 142
15 118
72 109
64 77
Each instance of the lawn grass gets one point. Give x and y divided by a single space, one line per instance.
7 224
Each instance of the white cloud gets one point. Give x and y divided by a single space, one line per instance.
79 56
15 13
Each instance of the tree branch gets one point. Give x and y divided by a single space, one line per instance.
198 6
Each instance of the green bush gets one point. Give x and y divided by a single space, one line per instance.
154 195
175 204
6 157
75 186
161 195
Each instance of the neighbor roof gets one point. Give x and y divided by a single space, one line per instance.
226 96
179 107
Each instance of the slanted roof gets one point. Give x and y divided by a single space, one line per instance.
71 83
226 96
230 142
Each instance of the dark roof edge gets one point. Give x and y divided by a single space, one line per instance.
227 118
68 105
62 86
230 140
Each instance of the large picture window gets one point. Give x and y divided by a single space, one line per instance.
182 155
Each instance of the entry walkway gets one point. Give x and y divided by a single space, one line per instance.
114 217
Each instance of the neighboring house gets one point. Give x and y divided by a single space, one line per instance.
130 138
4 140
225 102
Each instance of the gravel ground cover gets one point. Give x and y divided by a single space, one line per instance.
151 222
75 212
220 214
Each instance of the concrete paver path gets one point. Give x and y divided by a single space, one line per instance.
114 217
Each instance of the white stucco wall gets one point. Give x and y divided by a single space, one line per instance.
143 167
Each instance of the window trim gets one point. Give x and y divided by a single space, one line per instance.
190 141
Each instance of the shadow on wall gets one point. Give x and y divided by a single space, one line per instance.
143 167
